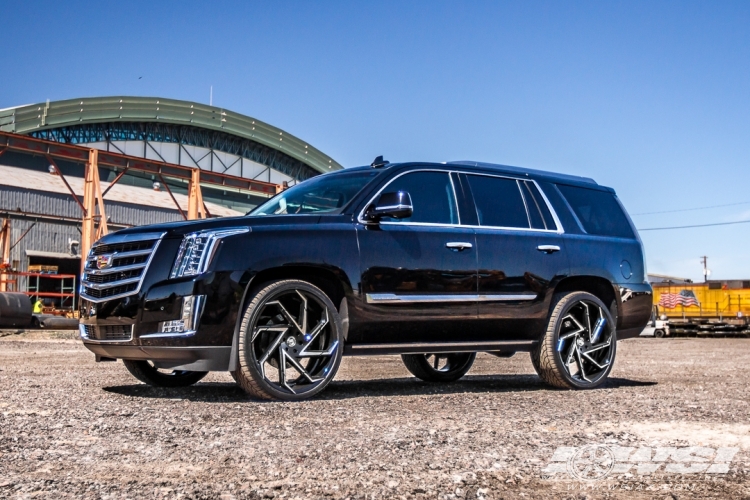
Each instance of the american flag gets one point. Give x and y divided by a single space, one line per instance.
672 300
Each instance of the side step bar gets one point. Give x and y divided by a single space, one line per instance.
432 347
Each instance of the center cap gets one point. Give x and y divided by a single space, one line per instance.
291 342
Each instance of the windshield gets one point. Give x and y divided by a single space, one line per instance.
323 194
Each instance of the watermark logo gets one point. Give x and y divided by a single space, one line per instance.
591 463
596 462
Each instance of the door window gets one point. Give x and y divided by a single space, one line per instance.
499 202
432 197
539 213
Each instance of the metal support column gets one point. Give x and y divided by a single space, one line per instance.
196 209
5 264
92 197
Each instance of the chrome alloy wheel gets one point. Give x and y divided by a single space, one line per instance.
293 345
584 343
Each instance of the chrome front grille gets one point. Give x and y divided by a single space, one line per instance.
111 333
116 267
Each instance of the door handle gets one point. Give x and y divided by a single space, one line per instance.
458 245
548 248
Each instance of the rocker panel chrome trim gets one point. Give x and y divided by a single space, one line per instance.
392 298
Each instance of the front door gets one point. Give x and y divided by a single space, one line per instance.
521 255
418 275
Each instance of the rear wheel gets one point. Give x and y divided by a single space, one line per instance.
146 372
578 348
291 342
440 367
659 334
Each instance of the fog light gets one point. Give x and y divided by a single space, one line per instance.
192 308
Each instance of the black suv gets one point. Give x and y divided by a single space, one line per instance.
434 262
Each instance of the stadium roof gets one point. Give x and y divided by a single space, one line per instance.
72 113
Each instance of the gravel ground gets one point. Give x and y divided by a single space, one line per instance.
73 428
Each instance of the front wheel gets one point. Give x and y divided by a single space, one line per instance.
442 367
578 348
291 342
149 374
659 334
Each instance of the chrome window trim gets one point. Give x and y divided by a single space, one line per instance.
394 298
85 337
559 230
147 264
455 198
526 191
525 205
361 217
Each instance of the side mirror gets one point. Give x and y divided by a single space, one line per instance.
396 205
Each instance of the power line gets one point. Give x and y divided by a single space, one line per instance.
691 209
696 225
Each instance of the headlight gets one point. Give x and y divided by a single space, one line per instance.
197 250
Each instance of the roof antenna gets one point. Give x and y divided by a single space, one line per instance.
379 162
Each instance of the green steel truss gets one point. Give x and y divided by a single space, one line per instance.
80 121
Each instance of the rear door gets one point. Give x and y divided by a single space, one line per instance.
418 275
521 255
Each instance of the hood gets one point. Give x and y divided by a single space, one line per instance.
181 228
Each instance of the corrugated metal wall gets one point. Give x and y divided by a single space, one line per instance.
41 202
49 236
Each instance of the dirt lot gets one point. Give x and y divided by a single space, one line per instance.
72 428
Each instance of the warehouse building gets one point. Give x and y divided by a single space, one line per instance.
242 161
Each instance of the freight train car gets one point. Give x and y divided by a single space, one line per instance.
712 308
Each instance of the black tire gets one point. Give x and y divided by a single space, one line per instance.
659 334
271 336
570 356
423 366
149 374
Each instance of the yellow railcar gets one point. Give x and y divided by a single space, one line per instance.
715 299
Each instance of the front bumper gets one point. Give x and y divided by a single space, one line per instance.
200 359
129 327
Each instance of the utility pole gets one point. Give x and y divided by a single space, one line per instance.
704 261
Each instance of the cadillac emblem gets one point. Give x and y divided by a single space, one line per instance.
103 261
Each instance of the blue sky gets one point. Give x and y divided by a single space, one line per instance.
651 98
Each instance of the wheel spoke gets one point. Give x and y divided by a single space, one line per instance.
300 369
437 362
282 371
581 328
269 328
579 361
303 313
272 348
286 314
588 318
601 367
310 337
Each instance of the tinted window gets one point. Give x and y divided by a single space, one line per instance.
498 201
323 194
431 195
598 211
541 218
